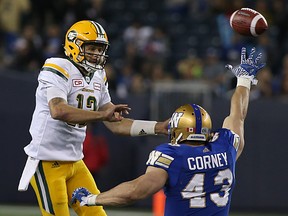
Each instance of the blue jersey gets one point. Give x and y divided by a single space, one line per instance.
201 178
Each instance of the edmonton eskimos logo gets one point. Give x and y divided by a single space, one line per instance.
72 35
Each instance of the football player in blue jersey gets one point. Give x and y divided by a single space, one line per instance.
197 168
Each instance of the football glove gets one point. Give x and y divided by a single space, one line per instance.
248 67
83 196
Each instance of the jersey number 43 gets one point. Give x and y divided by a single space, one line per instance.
194 190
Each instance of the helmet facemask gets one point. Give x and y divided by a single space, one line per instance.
92 60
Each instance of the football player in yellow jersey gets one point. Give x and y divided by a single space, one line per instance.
72 92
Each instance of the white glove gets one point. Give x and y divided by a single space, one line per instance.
89 200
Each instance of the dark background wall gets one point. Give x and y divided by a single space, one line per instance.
261 171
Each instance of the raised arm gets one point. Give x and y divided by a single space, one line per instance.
245 74
238 111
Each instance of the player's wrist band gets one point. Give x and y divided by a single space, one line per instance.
244 81
91 201
141 128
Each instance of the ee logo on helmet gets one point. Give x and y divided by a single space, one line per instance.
72 35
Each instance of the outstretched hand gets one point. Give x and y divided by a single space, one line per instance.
78 194
115 112
83 196
248 66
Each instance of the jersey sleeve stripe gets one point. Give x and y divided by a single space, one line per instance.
167 156
164 160
161 164
56 69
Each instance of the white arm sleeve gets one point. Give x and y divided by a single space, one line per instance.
53 92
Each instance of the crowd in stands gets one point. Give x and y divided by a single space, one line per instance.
150 40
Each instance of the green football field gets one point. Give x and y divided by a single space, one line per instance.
9 210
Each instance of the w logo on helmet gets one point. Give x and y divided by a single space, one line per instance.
174 122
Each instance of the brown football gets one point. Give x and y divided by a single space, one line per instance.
248 22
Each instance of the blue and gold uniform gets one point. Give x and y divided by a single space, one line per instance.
201 178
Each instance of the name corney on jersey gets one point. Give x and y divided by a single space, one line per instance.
207 161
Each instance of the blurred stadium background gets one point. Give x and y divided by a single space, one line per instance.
163 53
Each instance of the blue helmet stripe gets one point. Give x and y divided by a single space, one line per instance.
198 118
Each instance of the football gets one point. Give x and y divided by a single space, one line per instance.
248 22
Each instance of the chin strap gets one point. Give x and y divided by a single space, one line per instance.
178 138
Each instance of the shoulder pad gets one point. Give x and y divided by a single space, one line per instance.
57 66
